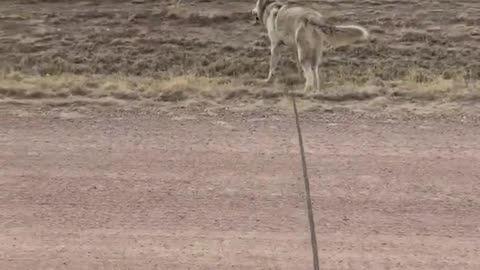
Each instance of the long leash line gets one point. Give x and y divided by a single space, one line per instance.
311 220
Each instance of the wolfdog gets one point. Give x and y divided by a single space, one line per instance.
304 29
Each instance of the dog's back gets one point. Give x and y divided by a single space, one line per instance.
290 18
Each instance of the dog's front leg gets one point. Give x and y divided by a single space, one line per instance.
274 59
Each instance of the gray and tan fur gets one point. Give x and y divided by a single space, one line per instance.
304 29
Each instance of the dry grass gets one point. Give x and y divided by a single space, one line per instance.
118 89
128 88
421 85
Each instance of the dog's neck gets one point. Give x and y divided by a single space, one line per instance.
263 9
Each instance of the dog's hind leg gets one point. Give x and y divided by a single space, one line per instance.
299 66
309 75
305 55
317 78
305 60
317 72
307 68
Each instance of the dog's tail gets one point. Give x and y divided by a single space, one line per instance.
350 32
341 35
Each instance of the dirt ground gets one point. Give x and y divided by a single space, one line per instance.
192 190
421 50
218 38
135 135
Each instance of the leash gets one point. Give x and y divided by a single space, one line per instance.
311 220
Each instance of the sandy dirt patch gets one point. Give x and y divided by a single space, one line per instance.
146 190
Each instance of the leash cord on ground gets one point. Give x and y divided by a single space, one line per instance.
313 236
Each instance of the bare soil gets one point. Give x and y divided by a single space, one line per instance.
190 190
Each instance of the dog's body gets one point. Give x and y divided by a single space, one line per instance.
304 29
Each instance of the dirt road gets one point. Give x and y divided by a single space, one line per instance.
147 190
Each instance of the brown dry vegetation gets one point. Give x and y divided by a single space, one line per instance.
56 52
